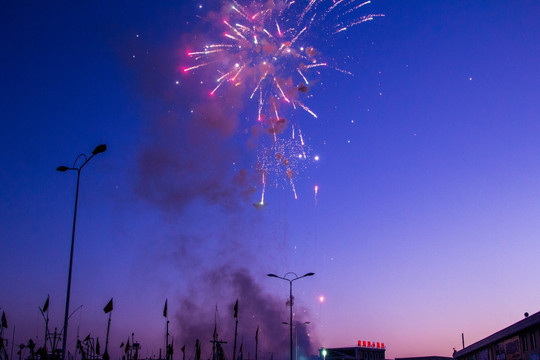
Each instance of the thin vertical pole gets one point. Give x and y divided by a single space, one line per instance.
235 334
46 330
290 322
107 338
66 314
167 340
257 343
12 342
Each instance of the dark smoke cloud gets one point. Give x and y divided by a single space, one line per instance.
184 163
191 151
221 287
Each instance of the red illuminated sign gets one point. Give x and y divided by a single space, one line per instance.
371 344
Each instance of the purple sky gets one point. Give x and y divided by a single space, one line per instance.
425 224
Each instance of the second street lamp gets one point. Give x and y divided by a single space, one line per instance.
288 277
98 149
296 335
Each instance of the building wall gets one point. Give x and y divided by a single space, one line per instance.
524 345
352 353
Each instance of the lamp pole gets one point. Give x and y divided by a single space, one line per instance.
290 280
296 335
99 149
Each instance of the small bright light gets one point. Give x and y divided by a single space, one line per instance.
470 78
321 299
316 158
200 6
302 48
177 82
299 156
237 65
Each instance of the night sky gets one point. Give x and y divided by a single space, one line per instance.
424 226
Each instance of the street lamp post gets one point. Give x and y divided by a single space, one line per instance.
99 149
296 277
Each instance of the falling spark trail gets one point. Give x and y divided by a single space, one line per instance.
343 71
354 9
242 27
224 76
238 6
239 70
297 36
333 7
230 36
260 105
233 29
293 189
273 123
215 89
362 20
307 109
195 67
302 75
306 10
301 138
258 85
311 66
281 91
278 29
264 188
221 46
206 52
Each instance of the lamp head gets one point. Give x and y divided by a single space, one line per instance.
99 149
272 275
62 168
309 274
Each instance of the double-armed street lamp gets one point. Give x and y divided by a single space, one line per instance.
290 280
99 149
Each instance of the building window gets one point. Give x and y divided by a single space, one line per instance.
524 342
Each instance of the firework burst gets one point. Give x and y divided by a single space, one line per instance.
270 48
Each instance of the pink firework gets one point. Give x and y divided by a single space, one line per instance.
270 49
